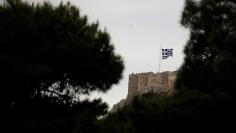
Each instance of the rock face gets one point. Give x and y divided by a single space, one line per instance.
141 83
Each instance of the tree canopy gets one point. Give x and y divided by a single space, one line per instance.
53 50
49 56
210 62
184 111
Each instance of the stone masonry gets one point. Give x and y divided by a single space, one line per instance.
141 83
161 83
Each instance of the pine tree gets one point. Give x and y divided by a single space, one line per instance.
210 62
50 55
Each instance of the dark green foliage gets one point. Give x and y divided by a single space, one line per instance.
49 57
184 111
50 117
42 44
210 52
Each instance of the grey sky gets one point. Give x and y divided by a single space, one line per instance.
137 29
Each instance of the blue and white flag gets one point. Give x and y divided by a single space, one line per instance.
166 53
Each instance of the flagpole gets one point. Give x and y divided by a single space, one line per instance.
160 60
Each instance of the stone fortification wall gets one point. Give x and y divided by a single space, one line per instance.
141 83
133 86
162 83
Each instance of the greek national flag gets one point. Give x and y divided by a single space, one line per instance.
167 53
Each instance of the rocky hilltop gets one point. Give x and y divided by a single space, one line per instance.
141 83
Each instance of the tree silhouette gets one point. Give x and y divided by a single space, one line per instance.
49 56
210 52
185 111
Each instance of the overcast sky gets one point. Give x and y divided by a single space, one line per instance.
137 29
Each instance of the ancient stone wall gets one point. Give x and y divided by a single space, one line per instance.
156 82
142 81
171 79
154 79
133 86
161 83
